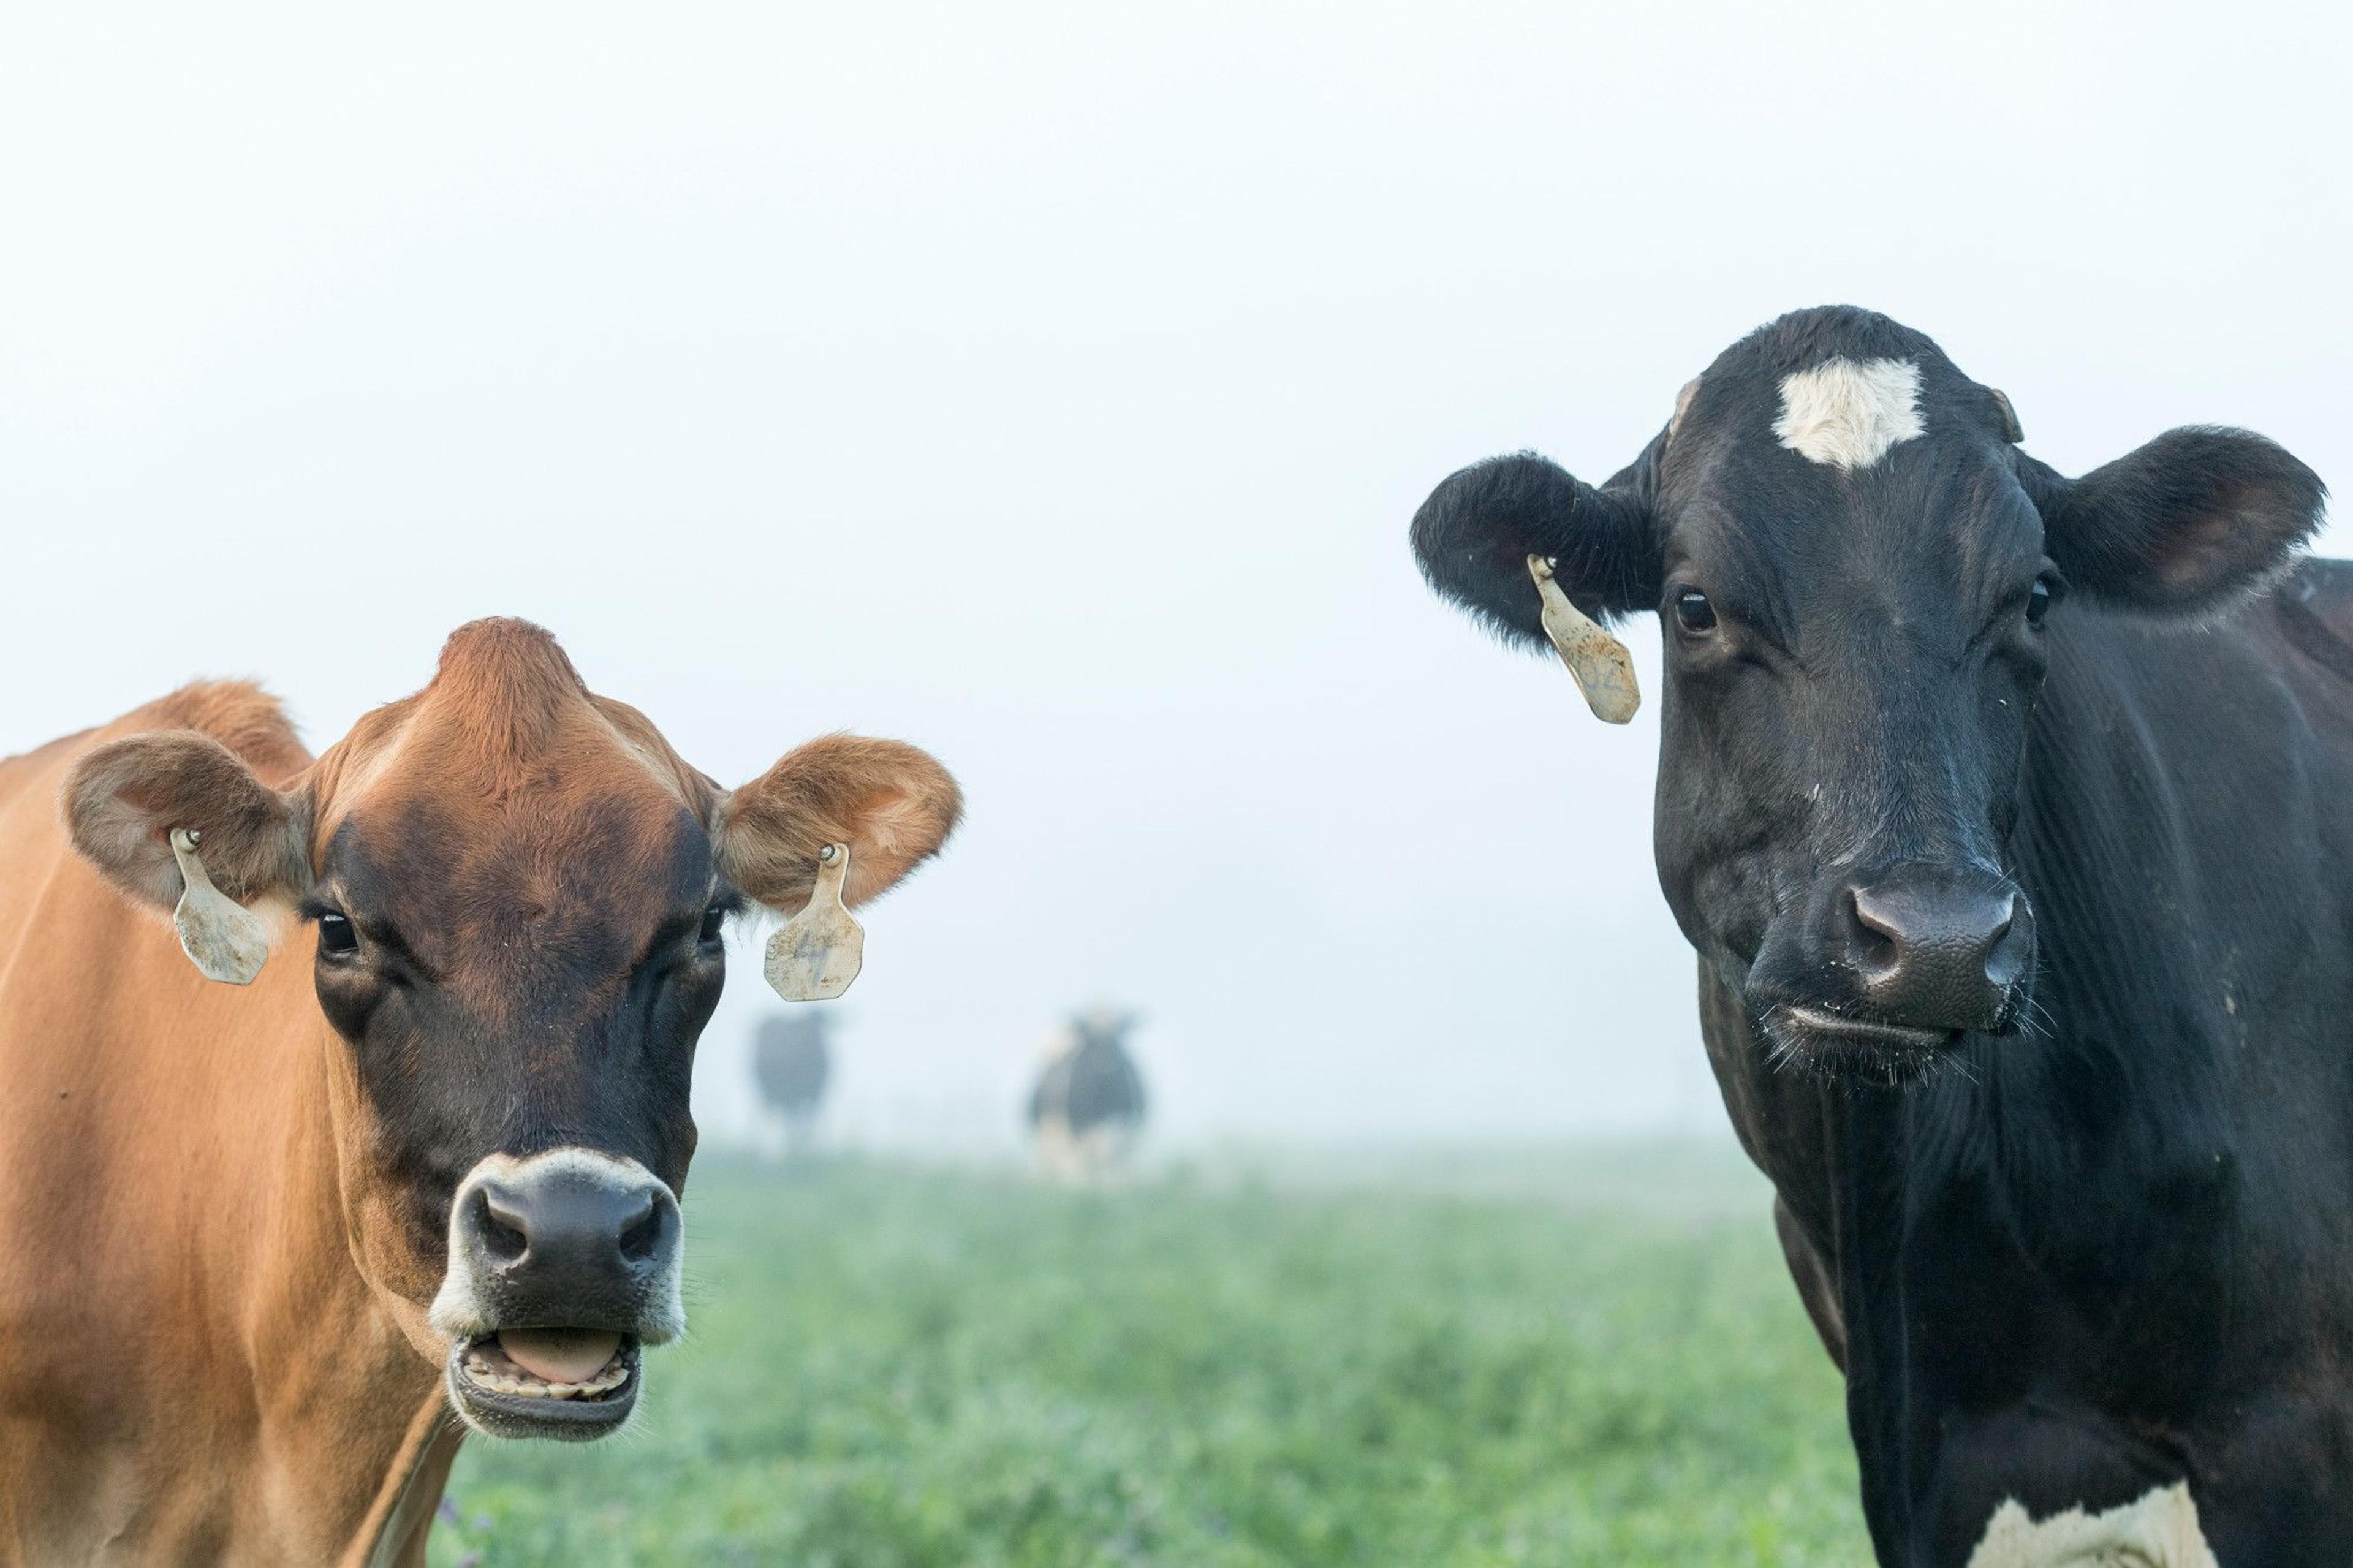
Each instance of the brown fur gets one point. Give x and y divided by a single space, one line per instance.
191 763
213 1342
892 805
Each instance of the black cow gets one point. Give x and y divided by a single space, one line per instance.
2011 816
1089 1105
792 1058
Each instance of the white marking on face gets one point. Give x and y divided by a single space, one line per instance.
2158 1530
1848 413
461 1310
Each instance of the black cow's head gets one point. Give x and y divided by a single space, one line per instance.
1855 569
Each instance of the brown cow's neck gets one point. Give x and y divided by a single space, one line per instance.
388 1414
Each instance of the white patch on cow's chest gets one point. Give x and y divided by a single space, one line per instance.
2159 1530
1848 413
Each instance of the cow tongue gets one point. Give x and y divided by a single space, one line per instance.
559 1355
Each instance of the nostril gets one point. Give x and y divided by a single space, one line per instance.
501 1228
1878 941
2005 948
642 1236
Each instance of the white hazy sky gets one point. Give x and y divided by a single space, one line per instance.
1052 386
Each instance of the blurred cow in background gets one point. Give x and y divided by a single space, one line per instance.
792 1057
1088 1108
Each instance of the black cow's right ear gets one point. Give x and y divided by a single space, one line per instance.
1474 534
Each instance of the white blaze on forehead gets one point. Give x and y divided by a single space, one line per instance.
1848 413
2159 1530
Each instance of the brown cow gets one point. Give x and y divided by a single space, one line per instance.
256 1242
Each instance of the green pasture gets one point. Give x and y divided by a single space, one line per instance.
1550 1358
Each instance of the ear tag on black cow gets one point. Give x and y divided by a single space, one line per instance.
226 941
820 949
1603 668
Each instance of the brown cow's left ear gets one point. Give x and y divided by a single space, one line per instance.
892 803
123 800
2181 524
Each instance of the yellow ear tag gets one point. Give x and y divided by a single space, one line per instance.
1603 668
820 949
226 941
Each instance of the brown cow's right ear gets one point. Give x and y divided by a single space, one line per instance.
122 801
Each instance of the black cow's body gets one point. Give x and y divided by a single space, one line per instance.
2025 936
2121 1253
1089 1103
792 1061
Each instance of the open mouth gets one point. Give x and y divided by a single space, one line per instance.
562 1382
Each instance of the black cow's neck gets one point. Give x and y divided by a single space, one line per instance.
2064 1220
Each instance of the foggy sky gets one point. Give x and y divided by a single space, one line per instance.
1052 386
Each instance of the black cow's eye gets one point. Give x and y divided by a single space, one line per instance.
336 937
1693 611
2037 601
714 919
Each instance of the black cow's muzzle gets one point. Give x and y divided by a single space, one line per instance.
1907 960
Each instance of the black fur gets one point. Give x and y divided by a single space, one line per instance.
1092 1084
2099 1240
793 1061
2182 522
1474 534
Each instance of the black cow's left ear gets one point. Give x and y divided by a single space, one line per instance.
2194 515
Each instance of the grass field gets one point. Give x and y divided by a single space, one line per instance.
1563 1360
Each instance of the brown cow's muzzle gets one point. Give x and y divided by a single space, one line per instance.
562 1266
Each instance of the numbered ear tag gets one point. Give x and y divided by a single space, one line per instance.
1603 668
223 939
820 951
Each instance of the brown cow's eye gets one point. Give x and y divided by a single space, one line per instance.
336 937
714 919
1695 612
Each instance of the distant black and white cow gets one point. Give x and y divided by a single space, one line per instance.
2011 816
792 1058
1088 1108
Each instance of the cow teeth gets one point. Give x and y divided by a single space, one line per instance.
489 1368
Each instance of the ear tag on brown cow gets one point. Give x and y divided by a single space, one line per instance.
820 951
226 941
1603 668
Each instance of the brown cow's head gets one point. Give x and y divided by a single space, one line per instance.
519 891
